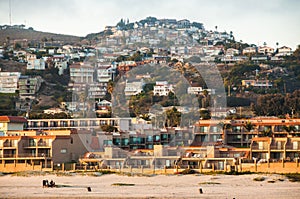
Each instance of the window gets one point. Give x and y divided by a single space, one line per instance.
203 129
214 129
31 142
260 145
63 151
108 142
295 145
149 138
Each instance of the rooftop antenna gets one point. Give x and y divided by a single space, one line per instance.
10 12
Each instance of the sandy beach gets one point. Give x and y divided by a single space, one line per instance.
158 186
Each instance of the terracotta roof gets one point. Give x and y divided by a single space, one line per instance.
15 119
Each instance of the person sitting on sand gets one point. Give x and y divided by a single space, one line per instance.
45 183
52 184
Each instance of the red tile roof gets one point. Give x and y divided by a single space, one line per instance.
14 119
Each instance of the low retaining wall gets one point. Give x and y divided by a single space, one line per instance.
274 167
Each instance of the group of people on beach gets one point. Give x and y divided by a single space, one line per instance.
46 183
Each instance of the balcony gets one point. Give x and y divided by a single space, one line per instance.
277 147
37 145
8 145
43 144
8 156
256 147
27 155
292 147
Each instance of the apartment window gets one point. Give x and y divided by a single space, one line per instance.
125 141
31 142
260 145
236 129
203 129
214 129
149 138
295 145
63 151
108 142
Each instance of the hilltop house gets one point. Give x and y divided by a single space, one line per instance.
284 51
30 56
231 52
29 86
9 82
196 90
265 50
134 88
249 50
163 88
81 73
105 72
36 64
256 83
97 90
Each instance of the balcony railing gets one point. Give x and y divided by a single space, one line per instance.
25 155
44 144
9 145
8 156
292 147
277 147
256 147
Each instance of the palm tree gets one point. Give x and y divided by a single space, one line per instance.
267 132
277 47
216 27
231 35
224 126
248 126
7 41
289 129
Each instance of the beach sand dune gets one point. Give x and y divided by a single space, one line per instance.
158 186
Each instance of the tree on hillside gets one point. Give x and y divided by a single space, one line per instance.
277 104
173 117
18 46
44 39
296 55
205 114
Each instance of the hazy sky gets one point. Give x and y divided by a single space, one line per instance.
252 21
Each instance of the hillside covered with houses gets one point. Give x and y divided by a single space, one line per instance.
52 76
